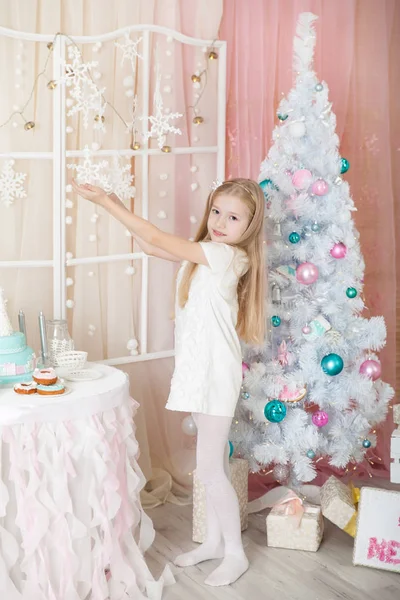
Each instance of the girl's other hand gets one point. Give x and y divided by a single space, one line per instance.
91 192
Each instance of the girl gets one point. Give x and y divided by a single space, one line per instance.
220 296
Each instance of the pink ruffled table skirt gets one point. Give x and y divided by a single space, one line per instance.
69 496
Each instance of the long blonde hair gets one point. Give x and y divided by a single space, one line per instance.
251 287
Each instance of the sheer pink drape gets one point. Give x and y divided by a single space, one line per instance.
357 53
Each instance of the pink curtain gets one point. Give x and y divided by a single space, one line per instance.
357 54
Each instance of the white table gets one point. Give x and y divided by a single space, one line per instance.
69 495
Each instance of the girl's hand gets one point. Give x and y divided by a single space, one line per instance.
91 192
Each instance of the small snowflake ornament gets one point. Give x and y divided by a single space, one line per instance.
90 172
129 50
121 181
11 184
160 122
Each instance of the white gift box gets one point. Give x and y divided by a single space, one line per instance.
377 542
395 456
239 473
285 531
337 502
396 414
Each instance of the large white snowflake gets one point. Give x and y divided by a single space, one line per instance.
87 96
160 122
92 172
129 50
121 180
11 184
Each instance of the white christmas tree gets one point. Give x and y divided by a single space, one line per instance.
5 324
314 389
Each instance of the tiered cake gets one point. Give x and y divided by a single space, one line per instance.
17 360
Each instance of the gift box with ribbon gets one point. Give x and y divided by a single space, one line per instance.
239 474
339 504
295 524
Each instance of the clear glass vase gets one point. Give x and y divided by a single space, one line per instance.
58 339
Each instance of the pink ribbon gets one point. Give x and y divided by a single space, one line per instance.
291 505
283 355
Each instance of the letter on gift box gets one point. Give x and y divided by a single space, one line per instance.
385 551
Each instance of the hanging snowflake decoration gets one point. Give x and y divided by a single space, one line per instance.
129 50
87 96
160 122
121 181
11 184
91 172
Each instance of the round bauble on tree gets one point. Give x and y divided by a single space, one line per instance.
275 411
307 273
189 426
366 444
231 449
275 321
245 368
339 250
297 129
332 364
310 454
301 179
281 473
371 369
306 329
315 227
320 187
344 165
294 237
267 185
320 418
351 292
282 117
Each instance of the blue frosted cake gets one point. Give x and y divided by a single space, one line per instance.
17 360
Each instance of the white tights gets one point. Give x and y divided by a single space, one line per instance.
224 539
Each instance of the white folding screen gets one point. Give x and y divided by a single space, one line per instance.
188 148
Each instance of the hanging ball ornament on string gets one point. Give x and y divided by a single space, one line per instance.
297 129
344 165
339 250
366 443
275 411
189 426
371 369
294 237
320 187
307 273
275 321
332 364
320 418
351 292
301 179
231 449
281 473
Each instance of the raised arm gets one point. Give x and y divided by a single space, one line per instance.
151 239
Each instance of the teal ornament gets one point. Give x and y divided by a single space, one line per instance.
231 449
315 227
276 321
282 117
332 364
351 292
345 165
245 395
267 185
366 443
275 411
319 87
311 454
294 237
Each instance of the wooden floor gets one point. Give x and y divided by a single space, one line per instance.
274 574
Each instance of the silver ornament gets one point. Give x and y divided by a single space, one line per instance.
281 473
189 426
319 87
276 295
315 227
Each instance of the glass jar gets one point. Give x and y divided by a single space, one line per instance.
58 338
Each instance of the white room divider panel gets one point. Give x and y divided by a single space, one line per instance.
60 155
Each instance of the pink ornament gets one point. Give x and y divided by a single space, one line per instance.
320 418
301 179
320 187
371 368
339 250
245 368
307 273
306 329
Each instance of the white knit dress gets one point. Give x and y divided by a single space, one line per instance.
208 358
